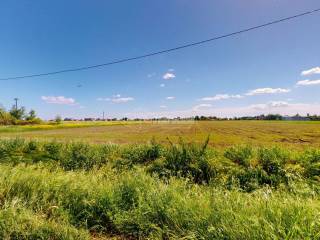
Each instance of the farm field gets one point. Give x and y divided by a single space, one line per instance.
126 180
159 120
296 135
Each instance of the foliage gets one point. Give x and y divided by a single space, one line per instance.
31 116
311 162
55 190
142 153
58 119
17 113
185 160
18 222
5 117
239 154
137 205
17 116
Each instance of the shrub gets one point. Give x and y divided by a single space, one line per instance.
58 119
6 118
142 154
310 159
239 154
186 160
270 169
12 150
311 156
82 156
273 160
53 150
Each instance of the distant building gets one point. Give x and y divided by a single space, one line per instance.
295 118
89 119
69 119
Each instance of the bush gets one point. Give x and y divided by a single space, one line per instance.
253 168
17 116
310 159
185 160
273 160
6 118
12 150
58 119
239 154
142 154
82 156
268 170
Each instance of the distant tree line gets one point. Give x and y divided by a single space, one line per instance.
278 117
18 116
270 117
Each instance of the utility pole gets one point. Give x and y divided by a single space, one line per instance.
16 100
103 116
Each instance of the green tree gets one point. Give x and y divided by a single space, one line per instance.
58 119
18 113
32 115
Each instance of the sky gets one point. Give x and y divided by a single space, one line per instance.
271 70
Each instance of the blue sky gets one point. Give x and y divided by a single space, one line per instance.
252 73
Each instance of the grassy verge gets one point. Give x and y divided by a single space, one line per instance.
51 190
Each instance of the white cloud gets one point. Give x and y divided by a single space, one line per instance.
168 76
122 99
308 82
282 108
163 106
103 99
162 85
170 98
270 105
58 100
276 104
219 97
260 91
117 99
311 71
201 106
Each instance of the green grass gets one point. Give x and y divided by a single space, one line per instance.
137 205
52 190
19 222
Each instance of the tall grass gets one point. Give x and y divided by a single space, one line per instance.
138 205
18 222
51 190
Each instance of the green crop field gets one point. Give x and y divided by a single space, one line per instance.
160 180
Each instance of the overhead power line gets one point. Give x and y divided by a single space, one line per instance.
162 51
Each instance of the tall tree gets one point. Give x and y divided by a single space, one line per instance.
32 115
17 113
